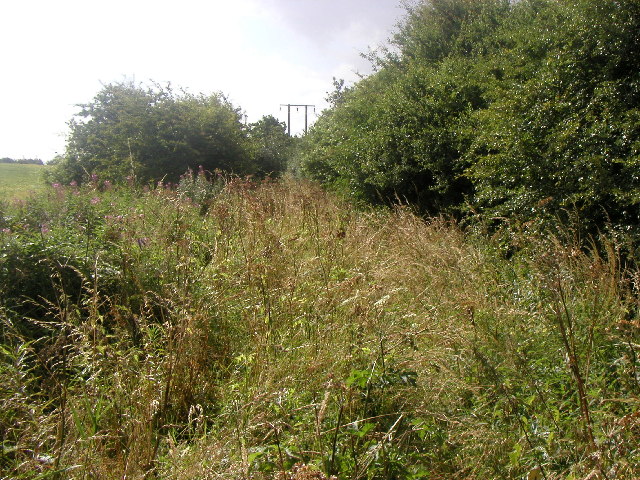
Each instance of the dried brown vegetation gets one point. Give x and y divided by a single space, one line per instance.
270 331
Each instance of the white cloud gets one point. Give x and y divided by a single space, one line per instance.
261 53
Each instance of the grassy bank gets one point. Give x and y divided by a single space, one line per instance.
19 181
235 330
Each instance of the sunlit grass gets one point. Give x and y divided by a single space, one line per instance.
19 181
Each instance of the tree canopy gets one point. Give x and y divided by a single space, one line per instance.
22 161
272 146
526 109
154 133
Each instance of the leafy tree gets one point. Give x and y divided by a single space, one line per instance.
22 161
400 133
153 133
563 134
524 109
336 97
271 144
437 29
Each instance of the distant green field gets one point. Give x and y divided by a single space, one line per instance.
18 181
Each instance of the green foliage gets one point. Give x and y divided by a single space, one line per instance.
22 161
563 136
153 134
273 148
435 30
526 111
400 134
241 329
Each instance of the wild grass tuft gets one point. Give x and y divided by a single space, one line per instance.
233 329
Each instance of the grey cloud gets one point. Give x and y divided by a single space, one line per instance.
322 21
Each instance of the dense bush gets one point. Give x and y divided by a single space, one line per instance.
516 110
401 134
562 133
152 134
272 147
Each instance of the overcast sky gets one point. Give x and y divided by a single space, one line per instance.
260 53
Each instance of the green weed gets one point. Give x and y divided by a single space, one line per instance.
234 329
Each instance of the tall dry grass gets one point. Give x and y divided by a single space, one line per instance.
231 329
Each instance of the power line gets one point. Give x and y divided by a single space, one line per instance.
306 113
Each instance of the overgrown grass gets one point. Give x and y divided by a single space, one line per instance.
227 329
19 181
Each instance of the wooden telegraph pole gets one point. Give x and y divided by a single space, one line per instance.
306 114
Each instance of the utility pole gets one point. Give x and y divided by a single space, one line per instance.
306 114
